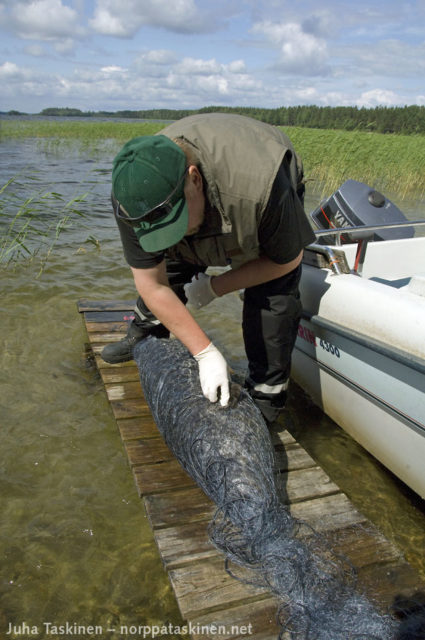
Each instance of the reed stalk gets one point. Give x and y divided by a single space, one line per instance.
27 229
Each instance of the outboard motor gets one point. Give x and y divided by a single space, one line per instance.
355 204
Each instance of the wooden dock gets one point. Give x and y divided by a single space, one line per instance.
179 512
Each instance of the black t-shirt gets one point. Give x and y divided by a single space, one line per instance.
283 232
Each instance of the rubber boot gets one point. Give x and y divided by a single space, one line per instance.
271 406
122 351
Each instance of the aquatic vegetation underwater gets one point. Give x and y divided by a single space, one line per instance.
228 452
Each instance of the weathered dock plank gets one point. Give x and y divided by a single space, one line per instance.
179 512
204 585
138 427
157 478
181 544
330 512
129 408
123 390
120 376
296 485
145 451
241 621
179 506
87 306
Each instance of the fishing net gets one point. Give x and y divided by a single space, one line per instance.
228 452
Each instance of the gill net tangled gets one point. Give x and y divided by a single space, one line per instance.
228 453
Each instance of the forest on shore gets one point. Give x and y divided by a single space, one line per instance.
401 120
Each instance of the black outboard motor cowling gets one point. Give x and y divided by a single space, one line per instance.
355 204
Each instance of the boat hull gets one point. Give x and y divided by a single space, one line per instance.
374 389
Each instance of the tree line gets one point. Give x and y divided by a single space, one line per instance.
403 120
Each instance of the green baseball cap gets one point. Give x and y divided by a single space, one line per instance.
148 182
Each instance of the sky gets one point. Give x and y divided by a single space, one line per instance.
185 54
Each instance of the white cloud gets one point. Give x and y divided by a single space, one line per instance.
123 18
237 66
271 53
159 57
390 57
106 23
199 67
18 83
210 81
45 20
9 70
64 46
155 63
112 69
377 97
308 94
321 24
190 82
35 50
300 52
334 98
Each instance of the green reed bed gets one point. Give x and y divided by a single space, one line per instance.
83 131
93 138
389 162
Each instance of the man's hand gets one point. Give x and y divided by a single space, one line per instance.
213 374
199 291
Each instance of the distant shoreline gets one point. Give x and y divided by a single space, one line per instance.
406 120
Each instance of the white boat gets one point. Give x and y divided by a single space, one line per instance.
360 351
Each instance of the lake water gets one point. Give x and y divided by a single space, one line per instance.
76 544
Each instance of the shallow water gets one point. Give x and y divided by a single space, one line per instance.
75 542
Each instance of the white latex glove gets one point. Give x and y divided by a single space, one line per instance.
213 374
199 291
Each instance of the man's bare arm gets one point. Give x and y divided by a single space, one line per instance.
152 285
